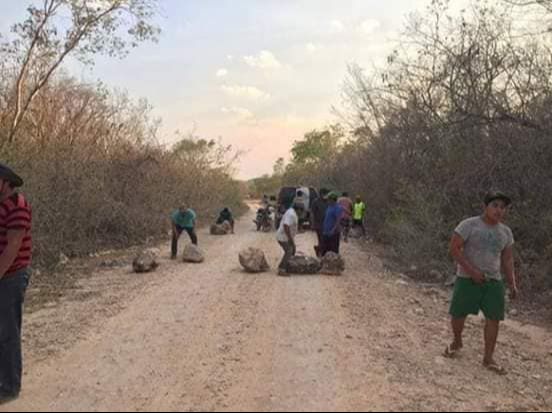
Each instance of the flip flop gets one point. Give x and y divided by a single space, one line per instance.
495 368
450 353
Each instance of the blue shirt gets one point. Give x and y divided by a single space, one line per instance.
186 220
332 219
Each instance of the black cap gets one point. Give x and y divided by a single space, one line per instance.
494 195
8 175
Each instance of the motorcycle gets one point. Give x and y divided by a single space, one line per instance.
263 220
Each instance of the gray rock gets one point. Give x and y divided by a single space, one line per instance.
145 262
253 260
332 264
193 254
218 230
304 265
227 227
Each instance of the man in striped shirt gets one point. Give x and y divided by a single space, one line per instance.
15 258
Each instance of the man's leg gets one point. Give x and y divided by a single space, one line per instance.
193 236
492 328
346 229
288 253
494 309
457 330
363 228
318 248
332 243
11 368
174 244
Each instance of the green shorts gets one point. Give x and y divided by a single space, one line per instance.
470 298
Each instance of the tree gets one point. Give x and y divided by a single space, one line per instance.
41 43
317 146
205 153
547 4
280 167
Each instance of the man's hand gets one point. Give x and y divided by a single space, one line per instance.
479 277
514 292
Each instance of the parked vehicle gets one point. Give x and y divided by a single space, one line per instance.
290 194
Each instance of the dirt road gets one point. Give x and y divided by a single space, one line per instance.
210 337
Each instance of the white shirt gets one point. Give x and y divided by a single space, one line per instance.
290 219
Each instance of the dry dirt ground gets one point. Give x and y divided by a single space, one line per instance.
211 337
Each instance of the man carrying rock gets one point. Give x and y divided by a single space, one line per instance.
483 248
182 219
15 258
286 234
226 216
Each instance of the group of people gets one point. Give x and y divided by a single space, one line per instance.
332 215
184 219
481 246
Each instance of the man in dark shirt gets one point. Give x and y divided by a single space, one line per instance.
226 216
332 225
318 213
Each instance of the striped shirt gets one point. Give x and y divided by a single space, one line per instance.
16 214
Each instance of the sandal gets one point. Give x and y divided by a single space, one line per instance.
495 368
450 353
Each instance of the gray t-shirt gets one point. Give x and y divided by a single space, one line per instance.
484 245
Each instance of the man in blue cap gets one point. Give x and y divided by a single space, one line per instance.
15 259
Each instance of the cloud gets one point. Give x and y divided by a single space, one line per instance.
222 73
264 60
312 48
369 26
247 92
336 26
242 114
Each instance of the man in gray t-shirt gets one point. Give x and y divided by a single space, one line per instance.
483 246
483 249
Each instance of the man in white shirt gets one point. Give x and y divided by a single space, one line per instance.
286 235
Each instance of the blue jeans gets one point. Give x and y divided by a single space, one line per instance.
12 296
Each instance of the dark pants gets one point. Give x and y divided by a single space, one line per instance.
359 223
12 295
318 248
331 244
346 224
289 251
176 236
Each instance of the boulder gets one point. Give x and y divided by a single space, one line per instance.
145 262
223 229
253 260
332 264
218 230
226 226
301 264
193 254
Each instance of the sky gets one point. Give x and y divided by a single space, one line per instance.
258 74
